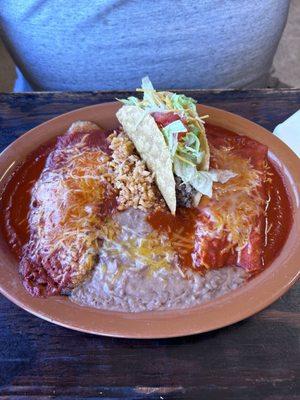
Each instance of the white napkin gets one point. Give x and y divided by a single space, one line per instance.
289 132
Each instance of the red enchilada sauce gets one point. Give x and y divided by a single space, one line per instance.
15 201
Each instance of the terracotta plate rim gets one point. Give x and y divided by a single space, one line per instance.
231 308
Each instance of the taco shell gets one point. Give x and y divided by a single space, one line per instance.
150 144
204 165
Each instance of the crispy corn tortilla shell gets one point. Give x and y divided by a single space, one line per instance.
150 144
204 165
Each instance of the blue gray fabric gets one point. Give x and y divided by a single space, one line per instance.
21 85
111 44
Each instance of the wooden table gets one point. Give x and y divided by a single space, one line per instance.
255 359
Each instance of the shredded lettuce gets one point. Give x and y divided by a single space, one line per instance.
131 101
170 133
147 84
202 181
191 140
161 101
189 155
182 102
149 97
221 175
184 170
175 127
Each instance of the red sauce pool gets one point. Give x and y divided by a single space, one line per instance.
183 225
14 206
278 216
15 200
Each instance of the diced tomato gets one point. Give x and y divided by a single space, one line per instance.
181 135
165 118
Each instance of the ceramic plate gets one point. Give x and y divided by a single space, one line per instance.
235 306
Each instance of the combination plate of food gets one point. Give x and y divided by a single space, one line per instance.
148 218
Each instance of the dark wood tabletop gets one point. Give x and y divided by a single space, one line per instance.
257 358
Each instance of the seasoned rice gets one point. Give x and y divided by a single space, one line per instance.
130 176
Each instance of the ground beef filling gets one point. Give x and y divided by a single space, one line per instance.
184 193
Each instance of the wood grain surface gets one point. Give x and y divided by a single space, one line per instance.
255 359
